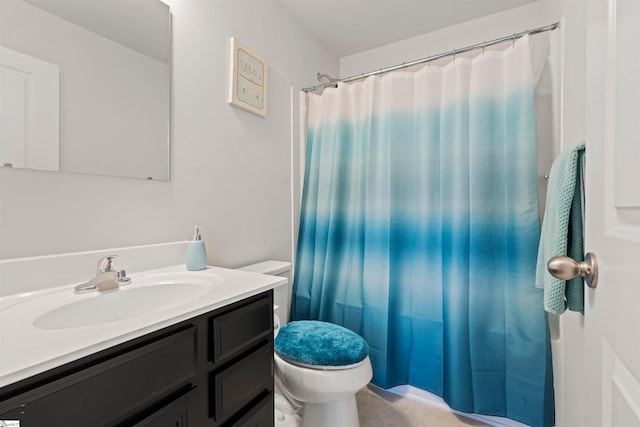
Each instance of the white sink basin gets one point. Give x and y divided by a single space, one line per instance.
146 294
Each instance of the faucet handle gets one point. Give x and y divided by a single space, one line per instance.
123 279
106 263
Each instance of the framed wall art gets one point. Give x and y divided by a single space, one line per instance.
249 77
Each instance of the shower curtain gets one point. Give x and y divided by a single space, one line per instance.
419 230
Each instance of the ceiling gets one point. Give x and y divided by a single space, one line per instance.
351 26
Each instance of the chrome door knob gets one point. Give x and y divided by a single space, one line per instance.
565 268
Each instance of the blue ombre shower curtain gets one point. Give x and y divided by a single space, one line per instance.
419 231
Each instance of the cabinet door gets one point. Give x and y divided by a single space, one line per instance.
242 383
182 412
260 416
111 390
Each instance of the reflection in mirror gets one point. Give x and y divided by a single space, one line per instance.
86 86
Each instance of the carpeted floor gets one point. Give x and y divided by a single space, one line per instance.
379 408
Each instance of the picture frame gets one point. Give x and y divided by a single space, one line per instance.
248 82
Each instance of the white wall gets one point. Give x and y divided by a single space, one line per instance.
230 169
114 101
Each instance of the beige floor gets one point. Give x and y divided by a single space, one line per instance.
379 408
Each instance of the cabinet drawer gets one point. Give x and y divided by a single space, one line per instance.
241 328
181 412
102 393
239 384
260 416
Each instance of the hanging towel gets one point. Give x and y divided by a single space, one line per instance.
562 232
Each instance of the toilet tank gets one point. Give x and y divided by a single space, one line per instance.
281 294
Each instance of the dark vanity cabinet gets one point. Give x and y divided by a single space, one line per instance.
213 370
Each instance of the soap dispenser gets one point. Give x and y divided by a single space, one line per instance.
196 253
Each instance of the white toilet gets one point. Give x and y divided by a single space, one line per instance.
317 374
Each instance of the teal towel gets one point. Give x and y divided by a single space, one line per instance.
562 233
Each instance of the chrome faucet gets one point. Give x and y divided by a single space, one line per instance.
106 278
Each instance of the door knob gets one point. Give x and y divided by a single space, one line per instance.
565 268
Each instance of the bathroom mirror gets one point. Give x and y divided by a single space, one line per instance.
86 86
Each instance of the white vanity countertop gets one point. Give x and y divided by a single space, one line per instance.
27 350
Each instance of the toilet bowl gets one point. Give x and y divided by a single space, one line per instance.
319 368
328 395
323 366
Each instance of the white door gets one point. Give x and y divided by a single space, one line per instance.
29 110
612 310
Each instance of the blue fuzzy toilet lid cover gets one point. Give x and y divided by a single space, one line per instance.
316 343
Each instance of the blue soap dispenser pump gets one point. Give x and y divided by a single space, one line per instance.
196 253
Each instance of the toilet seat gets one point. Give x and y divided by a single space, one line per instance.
320 345
321 367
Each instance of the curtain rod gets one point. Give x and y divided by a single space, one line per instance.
513 37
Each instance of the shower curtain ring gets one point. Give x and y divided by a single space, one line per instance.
513 40
483 46
454 56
